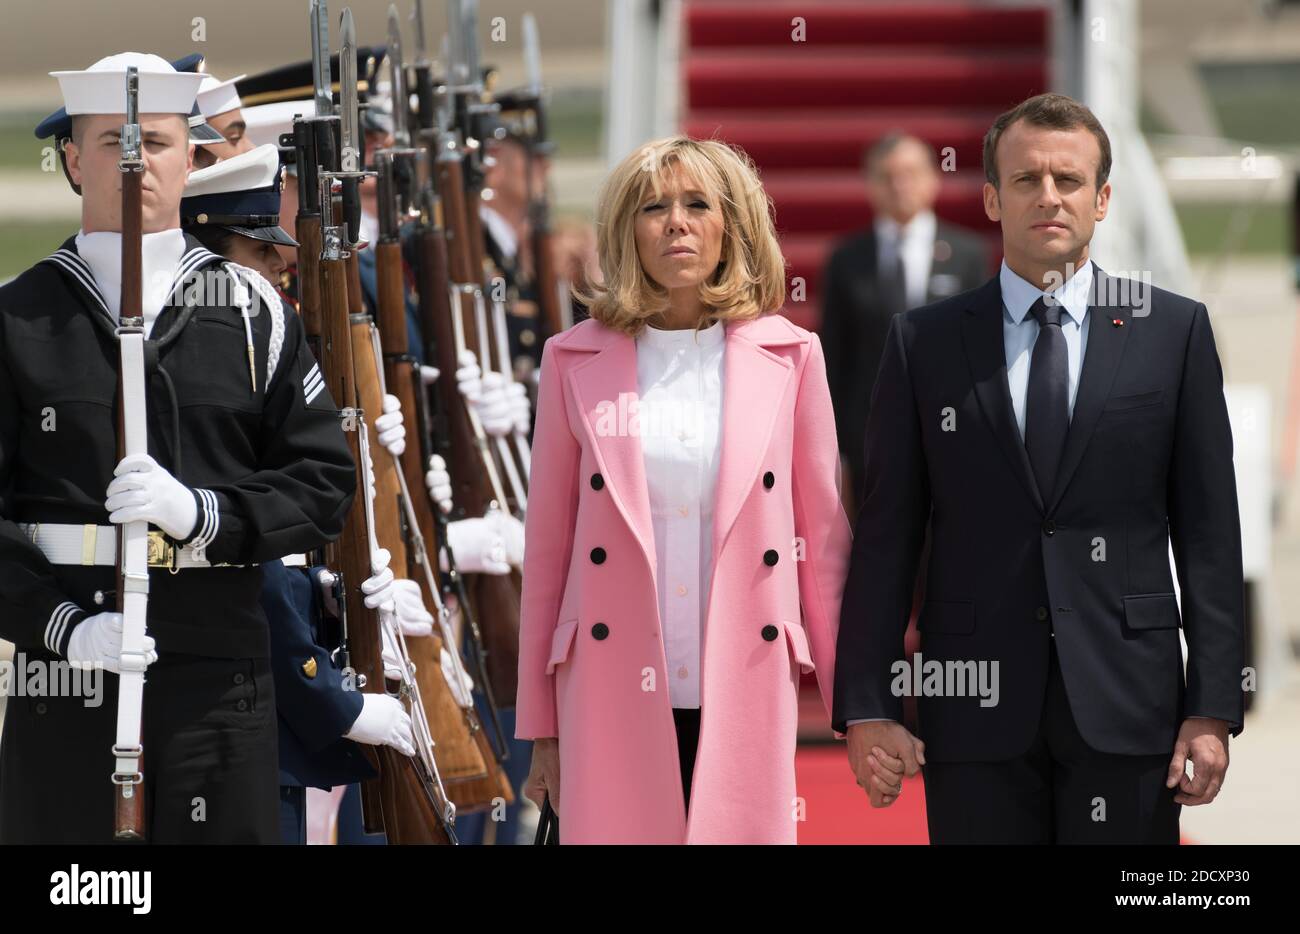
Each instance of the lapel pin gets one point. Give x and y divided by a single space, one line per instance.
1118 322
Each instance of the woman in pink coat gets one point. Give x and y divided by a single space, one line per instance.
685 544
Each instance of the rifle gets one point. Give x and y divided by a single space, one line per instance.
408 800
132 564
441 273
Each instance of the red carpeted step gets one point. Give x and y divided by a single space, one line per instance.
815 79
837 811
752 23
796 139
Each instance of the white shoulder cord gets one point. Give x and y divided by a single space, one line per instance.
271 299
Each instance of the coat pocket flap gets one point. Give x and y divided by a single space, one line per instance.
798 641
1151 611
562 644
954 616
1135 401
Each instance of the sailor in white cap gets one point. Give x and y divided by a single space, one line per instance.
219 103
247 462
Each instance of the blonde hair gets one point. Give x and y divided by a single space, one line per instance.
750 277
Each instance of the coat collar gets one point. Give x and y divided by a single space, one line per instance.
754 383
69 261
986 355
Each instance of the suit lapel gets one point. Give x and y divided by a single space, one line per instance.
1100 363
754 383
605 386
987 356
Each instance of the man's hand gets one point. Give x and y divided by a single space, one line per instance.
1205 742
881 752
143 491
97 640
544 773
389 427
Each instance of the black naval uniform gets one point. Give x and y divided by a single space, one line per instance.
272 475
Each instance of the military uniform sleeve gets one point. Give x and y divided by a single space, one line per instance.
33 609
309 691
299 497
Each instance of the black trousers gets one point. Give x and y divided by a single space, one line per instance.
687 722
1060 791
210 758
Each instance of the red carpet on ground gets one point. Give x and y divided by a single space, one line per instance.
837 809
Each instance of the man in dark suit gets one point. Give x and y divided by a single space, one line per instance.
1057 427
905 259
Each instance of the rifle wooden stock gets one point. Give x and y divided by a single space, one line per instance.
470 772
496 597
399 802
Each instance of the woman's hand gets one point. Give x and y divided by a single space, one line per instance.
544 773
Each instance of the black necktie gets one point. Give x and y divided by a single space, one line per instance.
1047 404
894 278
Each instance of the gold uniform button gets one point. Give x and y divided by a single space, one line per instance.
527 338
309 668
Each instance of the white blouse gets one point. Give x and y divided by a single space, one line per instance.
679 382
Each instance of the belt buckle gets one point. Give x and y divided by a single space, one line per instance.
162 553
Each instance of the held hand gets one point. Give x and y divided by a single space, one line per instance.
143 491
544 773
378 588
383 721
438 481
493 405
1205 742
97 640
389 426
412 616
468 375
881 752
478 546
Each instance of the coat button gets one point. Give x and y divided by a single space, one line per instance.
770 557
770 633
597 482
769 480
1041 613
242 705
599 632
239 678
598 556
1049 527
41 708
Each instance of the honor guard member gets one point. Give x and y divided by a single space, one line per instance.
219 103
246 462
233 208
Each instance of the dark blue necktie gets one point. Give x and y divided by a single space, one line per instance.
1047 404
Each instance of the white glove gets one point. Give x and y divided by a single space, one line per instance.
493 405
438 480
461 687
389 426
512 533
521 409
429 374
391 658
378 588
97 640
478 545
414 619
143 491
468 375
383 721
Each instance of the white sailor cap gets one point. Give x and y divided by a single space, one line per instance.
265 123
101 88
216 96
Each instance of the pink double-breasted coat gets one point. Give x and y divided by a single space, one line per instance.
592 661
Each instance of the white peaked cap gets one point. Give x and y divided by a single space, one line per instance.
101 88
216 96
245 172
265 122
